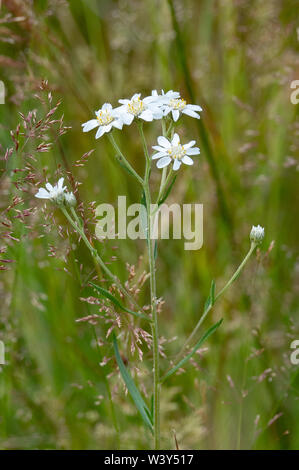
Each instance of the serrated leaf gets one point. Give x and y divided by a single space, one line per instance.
208 333
116 302
132 389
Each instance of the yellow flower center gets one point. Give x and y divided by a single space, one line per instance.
104 117
177 152
135 106
177 103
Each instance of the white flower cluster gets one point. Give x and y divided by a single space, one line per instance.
57 194
257 234
148 109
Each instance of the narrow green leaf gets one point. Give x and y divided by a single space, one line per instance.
212 292
208 333
118 158
116 302
211 299
134 392
168 191
143 217
156 250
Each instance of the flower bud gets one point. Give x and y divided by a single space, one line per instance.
70 199
257 234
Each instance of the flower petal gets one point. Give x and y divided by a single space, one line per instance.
175 140
89 125
193 151
158 148
176 165
164 142
127 118
100 132
191 113
164 161
175 114
187 160
42 194
194 107
49 187
107 107
158 155
118 123
60 183
146 115
190 144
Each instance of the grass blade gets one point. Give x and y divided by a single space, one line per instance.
133 390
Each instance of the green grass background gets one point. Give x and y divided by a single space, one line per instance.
237 60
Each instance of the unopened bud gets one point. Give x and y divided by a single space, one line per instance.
257 234
70 199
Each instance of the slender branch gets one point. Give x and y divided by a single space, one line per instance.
123 159
79 229
204 315
151 257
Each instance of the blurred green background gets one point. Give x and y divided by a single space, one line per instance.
236 59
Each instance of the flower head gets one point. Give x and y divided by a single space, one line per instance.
70 199
177 106
146 109
54 193
257 234
164 98
106 118
173 151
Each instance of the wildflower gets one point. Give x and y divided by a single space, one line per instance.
257 234
70 199
106 118
54 193
146 109
172 151
178 105
164 98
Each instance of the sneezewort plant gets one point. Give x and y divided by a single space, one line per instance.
170 153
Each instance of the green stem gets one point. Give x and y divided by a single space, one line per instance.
123 159
202 318
79 229
154 325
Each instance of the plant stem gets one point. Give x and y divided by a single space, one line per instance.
79 229
154 325
123 159
202 318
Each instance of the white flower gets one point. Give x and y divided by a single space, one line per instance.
55 193
146 109
106 118
70 199
257 234
172 151
177 106
164 98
